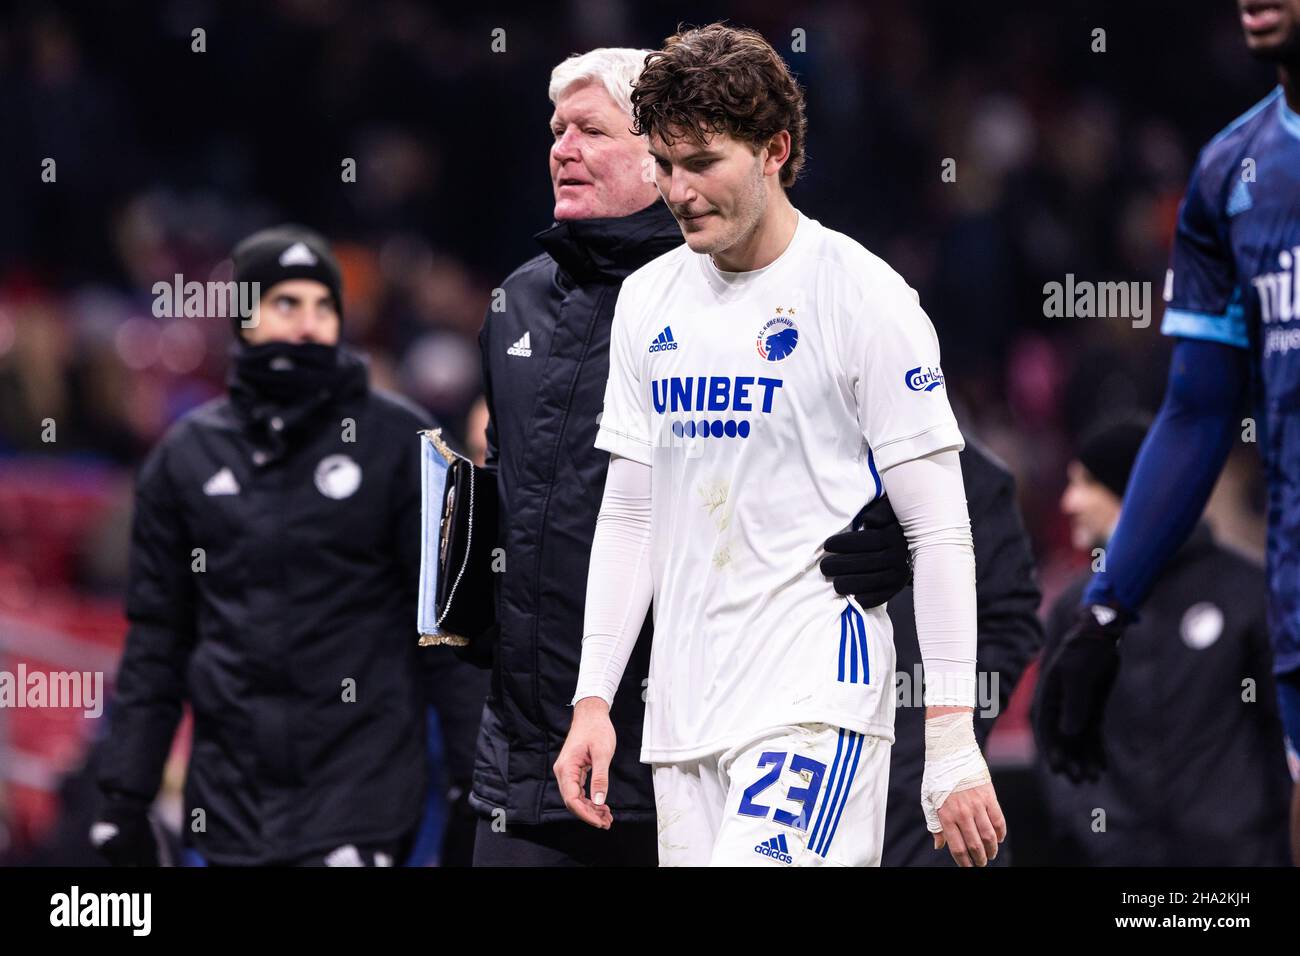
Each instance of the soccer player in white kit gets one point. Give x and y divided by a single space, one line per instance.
767 379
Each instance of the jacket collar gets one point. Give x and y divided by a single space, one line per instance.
275 426
589 249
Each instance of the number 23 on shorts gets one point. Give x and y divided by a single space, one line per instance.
812 771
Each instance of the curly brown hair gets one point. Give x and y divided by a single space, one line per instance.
720 79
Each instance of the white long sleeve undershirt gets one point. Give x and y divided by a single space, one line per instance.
620 583
927 496
929 499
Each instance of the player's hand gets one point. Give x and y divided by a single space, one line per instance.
123 834
1072 692
971 826
588 748
872 563
957 797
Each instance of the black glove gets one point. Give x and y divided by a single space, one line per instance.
123 833
1072 692
872 563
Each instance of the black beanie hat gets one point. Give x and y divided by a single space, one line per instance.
287 252
1109 450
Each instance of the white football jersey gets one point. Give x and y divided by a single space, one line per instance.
767 403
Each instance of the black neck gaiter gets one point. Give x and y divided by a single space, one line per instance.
289 385
285 374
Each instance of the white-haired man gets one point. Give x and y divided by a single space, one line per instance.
545 363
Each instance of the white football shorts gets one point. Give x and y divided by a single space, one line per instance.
806 795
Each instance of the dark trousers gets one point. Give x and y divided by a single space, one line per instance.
567 844
390 853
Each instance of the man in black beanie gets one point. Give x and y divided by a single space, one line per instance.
273 582
285 254
1195 770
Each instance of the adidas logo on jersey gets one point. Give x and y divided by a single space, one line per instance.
1239 201
776 848
664 341
522 349
222 483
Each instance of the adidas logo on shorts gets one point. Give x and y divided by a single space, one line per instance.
776 848
664 342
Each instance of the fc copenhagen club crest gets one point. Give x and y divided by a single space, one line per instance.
338 477
778 337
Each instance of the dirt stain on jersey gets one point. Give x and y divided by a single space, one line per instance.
713 494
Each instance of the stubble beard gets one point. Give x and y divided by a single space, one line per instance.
748 211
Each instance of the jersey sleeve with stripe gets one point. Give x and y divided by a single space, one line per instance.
1202 296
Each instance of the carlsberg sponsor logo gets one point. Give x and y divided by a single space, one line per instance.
924 378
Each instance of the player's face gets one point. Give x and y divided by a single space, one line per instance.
296 311
598 166
1272 28
1092 508
716 191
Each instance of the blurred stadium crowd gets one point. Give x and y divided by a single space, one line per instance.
1067 161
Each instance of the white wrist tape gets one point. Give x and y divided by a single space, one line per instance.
953 762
